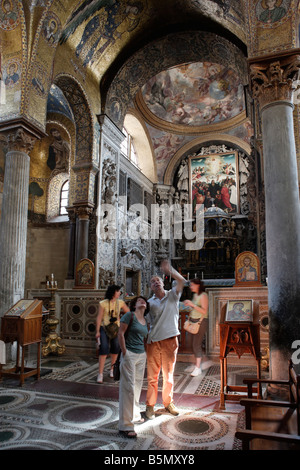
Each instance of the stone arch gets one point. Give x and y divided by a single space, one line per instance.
82 116
85 161
205 140
184 47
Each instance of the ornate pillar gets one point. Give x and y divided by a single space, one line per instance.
108 243
164 245
13 227
82 232
72 238
272 84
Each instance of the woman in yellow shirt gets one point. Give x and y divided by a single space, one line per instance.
199 305
109 312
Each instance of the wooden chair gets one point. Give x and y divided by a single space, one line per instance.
291 406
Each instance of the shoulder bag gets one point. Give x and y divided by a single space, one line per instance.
112 329
192 326
116 365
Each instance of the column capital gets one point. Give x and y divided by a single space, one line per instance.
273 78
71 213
19 140
83 212
19 134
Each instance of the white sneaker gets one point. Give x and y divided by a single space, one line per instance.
111 374
196 371
100 378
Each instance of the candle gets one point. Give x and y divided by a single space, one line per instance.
188 276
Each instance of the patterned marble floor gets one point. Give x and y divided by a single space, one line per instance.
67 410
84 370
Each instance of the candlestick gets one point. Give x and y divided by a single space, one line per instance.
52 345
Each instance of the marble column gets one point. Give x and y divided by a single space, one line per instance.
72 238
13 226
82 232
273 87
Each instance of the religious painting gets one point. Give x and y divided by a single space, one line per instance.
247 270
271 11
106 21
9 16
85 274
59 151
12 73
214 181
51 29
272 16
239 311
212 94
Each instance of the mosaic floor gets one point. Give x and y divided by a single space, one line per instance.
85 370
67 410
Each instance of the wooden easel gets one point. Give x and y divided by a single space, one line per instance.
238 338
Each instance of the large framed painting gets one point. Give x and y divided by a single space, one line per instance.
214 181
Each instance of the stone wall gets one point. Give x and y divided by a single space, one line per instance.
47 252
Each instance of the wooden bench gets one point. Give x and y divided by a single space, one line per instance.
289 408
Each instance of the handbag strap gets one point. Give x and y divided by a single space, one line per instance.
199 321
116 308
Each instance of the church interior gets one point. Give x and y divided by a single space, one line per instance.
119 119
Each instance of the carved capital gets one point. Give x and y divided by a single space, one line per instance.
84 212
19 140
71 214
273 79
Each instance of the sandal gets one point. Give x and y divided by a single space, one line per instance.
130 434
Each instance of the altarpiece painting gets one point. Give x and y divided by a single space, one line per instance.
214 181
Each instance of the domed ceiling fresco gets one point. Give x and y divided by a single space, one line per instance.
195 94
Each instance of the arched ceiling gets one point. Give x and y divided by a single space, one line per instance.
120 52
180 64
104 33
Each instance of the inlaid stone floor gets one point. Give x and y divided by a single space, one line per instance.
67 410
84 370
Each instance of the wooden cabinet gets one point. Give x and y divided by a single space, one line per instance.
23 324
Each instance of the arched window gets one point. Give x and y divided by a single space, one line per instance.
127 148
64 197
